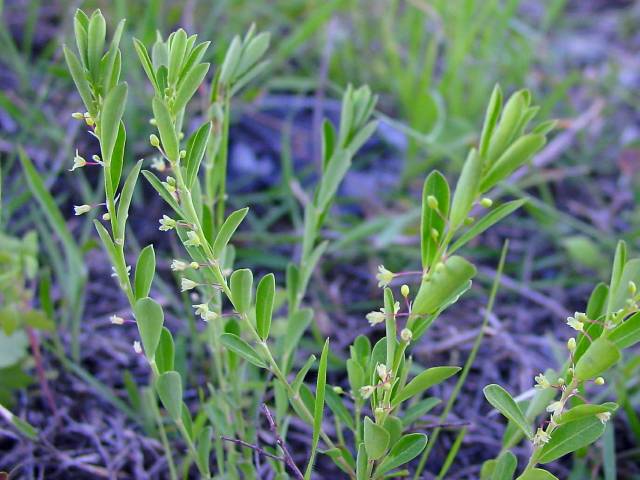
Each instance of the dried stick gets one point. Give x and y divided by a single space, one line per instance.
287 456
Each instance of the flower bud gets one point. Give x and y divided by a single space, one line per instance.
179 265
599 381
406 335
435 234
167 223
404 290
384 276
469 220
154 140
432 202
338 390
571 345
106 216
77 115
486 202
137 348
116 320
632 288
194 265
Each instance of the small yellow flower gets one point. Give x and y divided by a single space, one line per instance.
384 276
187 284
81 209
367 391
576 324
179 265
167 223
78 161
541 437
375 317
542 382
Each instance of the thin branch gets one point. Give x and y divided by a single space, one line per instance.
256 448
287 456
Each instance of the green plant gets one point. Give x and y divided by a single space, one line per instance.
610 324
246 336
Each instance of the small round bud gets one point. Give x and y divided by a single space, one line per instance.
194 265
632 288
469 220
432 202
183 153
406 335
404 290
571 344
435 234
154 140
152 121
338 390
106 217
77 115
599 381
561 381
486 202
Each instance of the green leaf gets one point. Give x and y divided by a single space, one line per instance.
620 294
117 157
318 411
417 410
80 27
336 170
339 410
537 474
362 463
466 190
490 120
110 116
204 449
504 132
302 373
585 410
25 428
13 348
500 399
296 326
165 353
265 294
433 219
168 134
437 288
150 318
231 61
490 219
242 348
143 55
178 47
627 333
96 34
402 452
196 146
169 388
253 52
80 79
599 357
355 373
424 381
241 283
189 86
505 467
376 439
110 66
145 270
227 230
125 199
166 196
515 156
570 437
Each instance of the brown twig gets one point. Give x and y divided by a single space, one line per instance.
256 448
288 459
42 378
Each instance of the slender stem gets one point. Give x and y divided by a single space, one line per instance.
165 445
